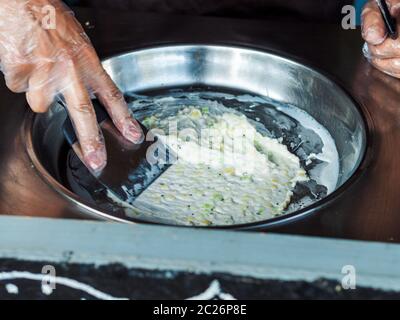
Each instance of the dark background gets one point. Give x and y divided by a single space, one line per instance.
302 10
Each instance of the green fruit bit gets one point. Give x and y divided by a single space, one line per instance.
209 207
260 212
217 196
258 146
205 110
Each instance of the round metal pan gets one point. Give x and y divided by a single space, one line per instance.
234 68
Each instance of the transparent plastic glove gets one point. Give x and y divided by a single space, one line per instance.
45 52
381 51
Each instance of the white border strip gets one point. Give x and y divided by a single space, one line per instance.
259 255
14 275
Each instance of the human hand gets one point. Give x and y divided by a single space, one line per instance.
382 51
47 62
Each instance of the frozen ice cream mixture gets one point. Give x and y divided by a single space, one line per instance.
230 174
230 168
240 159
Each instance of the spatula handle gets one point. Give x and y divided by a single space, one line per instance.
390 22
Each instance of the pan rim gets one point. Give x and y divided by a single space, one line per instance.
97 212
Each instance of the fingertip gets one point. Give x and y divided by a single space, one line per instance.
37 101
113 100
374 35
96 160
132 131
94 152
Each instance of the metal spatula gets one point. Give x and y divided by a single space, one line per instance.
130 168
390 22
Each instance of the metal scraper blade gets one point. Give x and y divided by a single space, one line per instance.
130 168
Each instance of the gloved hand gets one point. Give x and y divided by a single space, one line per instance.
46 58
382 51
